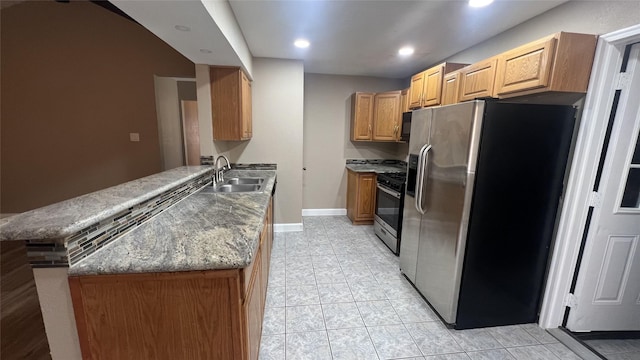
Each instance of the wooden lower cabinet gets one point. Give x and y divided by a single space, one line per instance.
361 197
214 314
254 309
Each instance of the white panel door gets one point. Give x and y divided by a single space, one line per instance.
608 286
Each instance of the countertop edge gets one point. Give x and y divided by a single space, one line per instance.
24 226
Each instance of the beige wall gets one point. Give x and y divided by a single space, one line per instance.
76 80
591 17
278 93
327 116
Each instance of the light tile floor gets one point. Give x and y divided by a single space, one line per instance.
614 349
335 292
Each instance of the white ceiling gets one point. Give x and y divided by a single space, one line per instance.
350 37
362 37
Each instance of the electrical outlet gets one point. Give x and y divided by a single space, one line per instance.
134 136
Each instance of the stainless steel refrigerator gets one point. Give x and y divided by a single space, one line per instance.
483 189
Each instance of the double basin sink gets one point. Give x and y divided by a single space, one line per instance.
234 185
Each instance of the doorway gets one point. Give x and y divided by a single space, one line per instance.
593 287
178 127
605 312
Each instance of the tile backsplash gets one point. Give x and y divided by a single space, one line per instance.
88 240
377 161
209 160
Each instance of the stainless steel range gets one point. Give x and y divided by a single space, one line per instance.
389 205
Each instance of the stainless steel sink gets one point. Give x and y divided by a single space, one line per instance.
244 181
232 188
228 188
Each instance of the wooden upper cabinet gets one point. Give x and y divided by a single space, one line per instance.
450 88
404 100
559 63
386 116
247 128
376 117
430 83
230 103
476 80
432 86
415 90
361 116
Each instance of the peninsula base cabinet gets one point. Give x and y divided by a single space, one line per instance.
361 197
214 314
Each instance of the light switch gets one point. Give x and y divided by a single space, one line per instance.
134 136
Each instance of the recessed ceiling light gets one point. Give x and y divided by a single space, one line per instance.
301 43
479 3
206 51
182 28
406 51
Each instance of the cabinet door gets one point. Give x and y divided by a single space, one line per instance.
386 116
163 316
265 255
450 87
415 91
230 103
524 68
254 311
476 81
247 128
361 197
361 116
404 100
432 86
366 196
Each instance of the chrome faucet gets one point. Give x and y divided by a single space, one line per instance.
219 172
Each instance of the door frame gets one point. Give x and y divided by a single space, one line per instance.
588 148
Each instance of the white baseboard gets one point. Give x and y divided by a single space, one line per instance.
287 227
573 344
323 212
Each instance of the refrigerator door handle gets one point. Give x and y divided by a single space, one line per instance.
420 181
425 174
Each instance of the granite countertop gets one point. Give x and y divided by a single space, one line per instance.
376 168
201 232
67 217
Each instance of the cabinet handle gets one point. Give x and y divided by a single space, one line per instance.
369 127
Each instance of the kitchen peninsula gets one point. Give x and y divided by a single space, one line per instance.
159 269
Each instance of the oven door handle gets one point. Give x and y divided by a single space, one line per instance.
392 193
